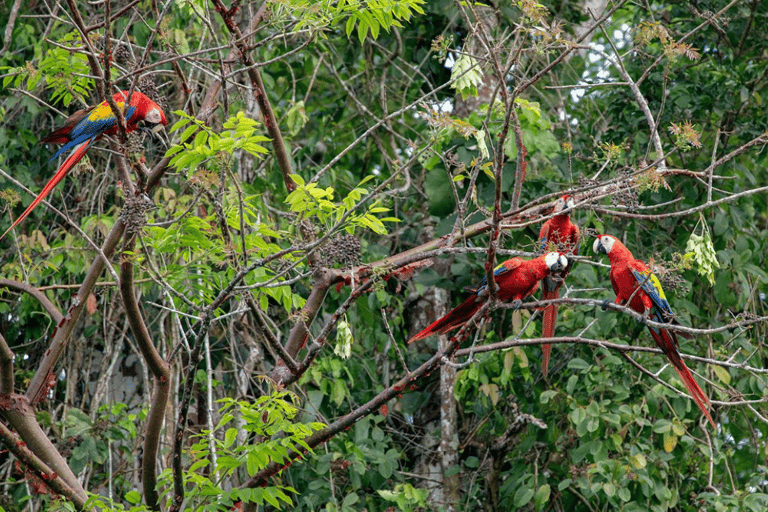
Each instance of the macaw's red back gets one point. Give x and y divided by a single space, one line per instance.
637 287
516 279
85 126
557 234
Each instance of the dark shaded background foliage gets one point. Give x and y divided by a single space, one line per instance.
615 439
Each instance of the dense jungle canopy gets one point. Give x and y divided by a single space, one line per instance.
216 316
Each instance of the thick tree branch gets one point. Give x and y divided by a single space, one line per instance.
411 381
36 294
260 92
6 368
160 371
39 468
20 414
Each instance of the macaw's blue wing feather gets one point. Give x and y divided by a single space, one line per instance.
99 120
75 142
500 269
650 284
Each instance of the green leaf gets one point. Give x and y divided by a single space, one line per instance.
542 496
578 364
670 441
523 496
547 395
638 461
722 374
344 339
466 76
701 249
230 437
270 498
296 118
362 29
350 499
624 494
133 497
182 122
350 25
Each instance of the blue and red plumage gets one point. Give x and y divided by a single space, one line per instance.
515 279
557 234
85 126
637 287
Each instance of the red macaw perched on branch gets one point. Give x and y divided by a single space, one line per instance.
85 126
558 234
637 287
516 279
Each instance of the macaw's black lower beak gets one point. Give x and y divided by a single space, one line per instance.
148 127
153 130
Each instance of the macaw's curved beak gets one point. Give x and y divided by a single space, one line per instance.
152 128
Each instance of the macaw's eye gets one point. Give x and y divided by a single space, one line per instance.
550 260
153 116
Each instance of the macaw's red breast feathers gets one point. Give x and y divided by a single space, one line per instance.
85 126
515 279
558 233
637 287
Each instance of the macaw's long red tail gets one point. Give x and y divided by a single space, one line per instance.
456 317
74 157
667 342
548 291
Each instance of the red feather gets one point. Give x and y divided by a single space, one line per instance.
564 235
667 342
71 160
80 132
516 279
626 286
456 317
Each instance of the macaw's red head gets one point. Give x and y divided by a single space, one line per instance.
146 110
564 202
555 261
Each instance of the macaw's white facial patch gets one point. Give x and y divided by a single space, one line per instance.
154 116
551 259
603 243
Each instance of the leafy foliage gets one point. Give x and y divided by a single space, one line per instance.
269 422
239 134
363 96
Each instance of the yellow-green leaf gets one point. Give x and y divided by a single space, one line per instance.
670 441
638 461
722 374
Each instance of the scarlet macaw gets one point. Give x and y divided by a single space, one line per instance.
636 286
85 126
560 234
516 279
